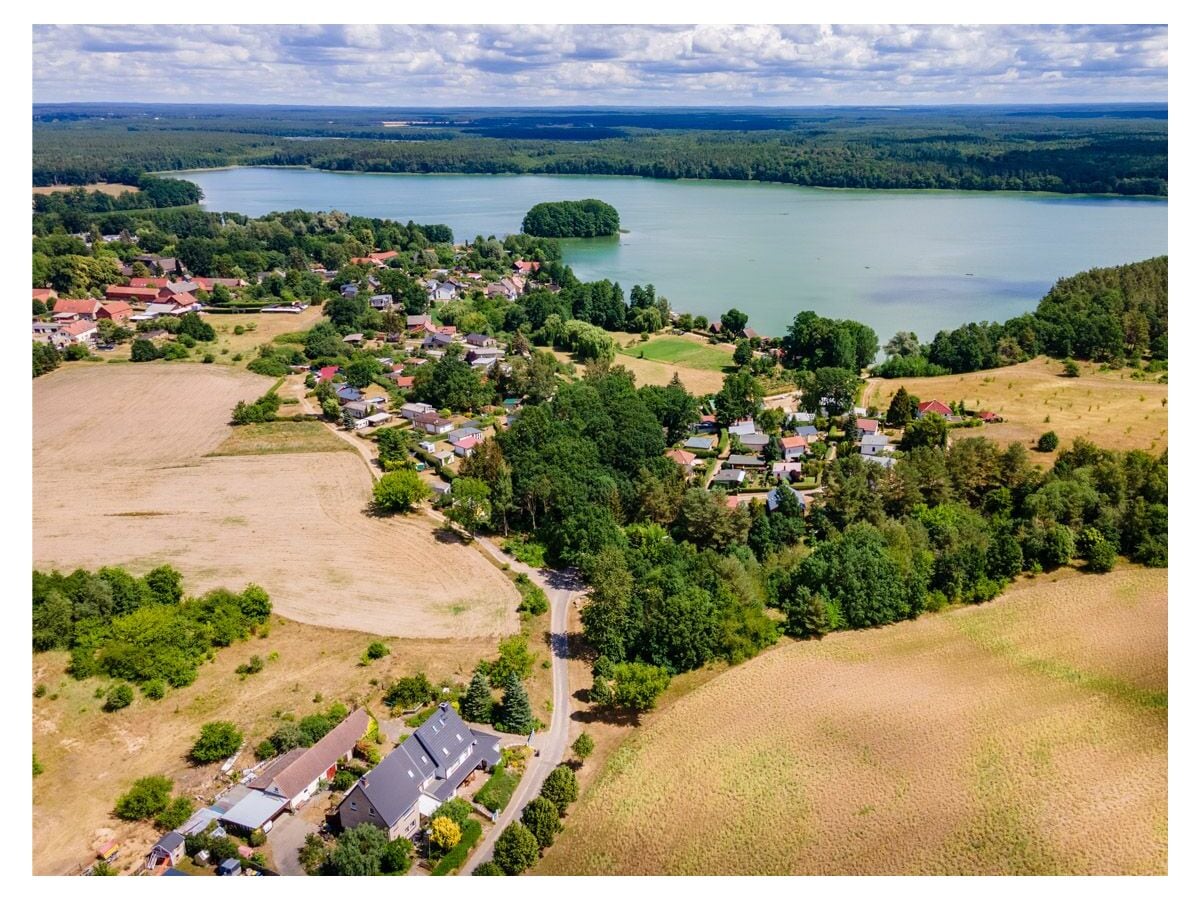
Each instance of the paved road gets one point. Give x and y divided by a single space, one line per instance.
551 745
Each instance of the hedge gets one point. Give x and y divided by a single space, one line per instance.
471 832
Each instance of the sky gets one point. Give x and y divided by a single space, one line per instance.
558 65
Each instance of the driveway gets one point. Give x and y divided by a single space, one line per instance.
551 745
286 839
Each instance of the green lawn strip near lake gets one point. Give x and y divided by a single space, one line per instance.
472 831
267 438
498 789
681 351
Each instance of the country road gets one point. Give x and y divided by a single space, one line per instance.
551 745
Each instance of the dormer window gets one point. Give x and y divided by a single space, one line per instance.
459 736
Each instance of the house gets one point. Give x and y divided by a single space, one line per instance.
159 283
484 356
348 394
65 308
229 867
729 478
773 497
174 289
131 294
349 290
419 776
749 333
436 341
442 292
683 458
404 382
794 447
874 444
480 340
172 306
465 431
744 461
866 426
168 851
803 418
80 332
357 409
526 266
432 423
46 295
504 289
806 431
745 426
464 447
410 411
698 443
707 423
755 441
990 417
935 407
295 776
207 284
787 469
116 311
381 301
355 338
417 323
326 373
383 257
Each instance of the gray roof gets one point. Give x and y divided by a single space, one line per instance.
741 459
394 785
698 443
773 496
730 475
460 433
806 430
171 841
754 440
876 440
255 810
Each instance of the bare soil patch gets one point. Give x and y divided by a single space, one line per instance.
1110 409
1028 735
122 477
113 190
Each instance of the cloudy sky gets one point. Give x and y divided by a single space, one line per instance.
513 65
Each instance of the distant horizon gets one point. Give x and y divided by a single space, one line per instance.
613 106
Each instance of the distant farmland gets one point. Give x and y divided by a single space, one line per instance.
1025 736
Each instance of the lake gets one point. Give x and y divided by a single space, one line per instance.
919 260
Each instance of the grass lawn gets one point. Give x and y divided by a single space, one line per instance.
262 438
682 351
496 792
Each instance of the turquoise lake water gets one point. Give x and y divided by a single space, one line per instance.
916 260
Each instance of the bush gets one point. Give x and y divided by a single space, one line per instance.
583 746
217 740
561 788
119 697
147 798
471 832
1048 442
488 868
516 849
397 856
253 667
541 817
155 689
314 854
257 838
444 833
176 813
400 491
533 598
377 650
456 809
344 780
409 692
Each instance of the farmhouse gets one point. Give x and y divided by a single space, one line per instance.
68 310
936 407
419 775
291 779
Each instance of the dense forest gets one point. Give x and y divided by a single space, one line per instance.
572 219
1119 150
1113 315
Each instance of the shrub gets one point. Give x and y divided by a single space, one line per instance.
147 798
377 650
344 780
253 667
456 809
257 838
38 768
175 814
400 491
583 746
541 817
119 697
397 856
409 692
516 849
491 867
217 740
1048 442
313 854
471 832
142 350
155 689
444 833
1071 369
533 598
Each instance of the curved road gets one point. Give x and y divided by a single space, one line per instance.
551 745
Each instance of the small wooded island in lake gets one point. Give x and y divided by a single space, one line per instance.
572 219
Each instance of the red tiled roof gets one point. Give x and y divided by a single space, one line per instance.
148 282
78 307
384 255
682 457
936 406
405 381
327 373
866 424
44 294
117 309
118 292
74 329
795 441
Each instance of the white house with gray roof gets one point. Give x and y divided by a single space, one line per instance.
419 775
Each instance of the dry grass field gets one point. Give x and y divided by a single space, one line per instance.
91 757
1028 735
1108 408
113 190
123 476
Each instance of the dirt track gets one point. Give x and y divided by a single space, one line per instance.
120 477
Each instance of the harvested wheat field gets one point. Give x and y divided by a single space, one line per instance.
122 476
1109 408
1025 736
90 757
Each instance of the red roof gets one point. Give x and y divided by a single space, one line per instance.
78 307
447 329
384 255
682 457
327 373
525 266
148 282
466 443
934 406
866 425
117 309
988 416
44 294
74 329
796 441
405 381
117 292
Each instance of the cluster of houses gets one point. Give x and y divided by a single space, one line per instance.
283 784
72 321
442 286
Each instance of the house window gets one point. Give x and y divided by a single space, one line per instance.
459 736
353 806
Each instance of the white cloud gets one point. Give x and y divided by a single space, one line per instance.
532 64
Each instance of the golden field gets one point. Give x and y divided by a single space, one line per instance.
1027 735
